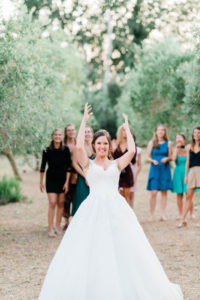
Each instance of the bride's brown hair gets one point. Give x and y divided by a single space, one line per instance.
102 132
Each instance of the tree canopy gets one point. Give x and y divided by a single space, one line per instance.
40 84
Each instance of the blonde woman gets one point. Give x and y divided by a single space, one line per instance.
159 153
70 142
126 180
82 188
136 169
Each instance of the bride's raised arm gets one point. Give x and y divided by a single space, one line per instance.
125 159
82 156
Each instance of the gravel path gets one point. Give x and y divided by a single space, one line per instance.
26 251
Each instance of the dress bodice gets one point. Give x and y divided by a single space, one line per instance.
194 159
181 161
161 152
101 180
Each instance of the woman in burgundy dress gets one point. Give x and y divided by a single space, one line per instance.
126 179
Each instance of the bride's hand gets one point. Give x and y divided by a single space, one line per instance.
87 112
125 125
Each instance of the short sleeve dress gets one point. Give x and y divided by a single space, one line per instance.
160 175
59 163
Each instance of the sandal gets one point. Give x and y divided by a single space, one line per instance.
58 230
163 219
182 224
51 234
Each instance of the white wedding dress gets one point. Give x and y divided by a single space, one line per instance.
104 254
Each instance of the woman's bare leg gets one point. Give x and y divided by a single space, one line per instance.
51 211
127 195
180 204
60 207
192 210
132 197
153 202
163 205
189 199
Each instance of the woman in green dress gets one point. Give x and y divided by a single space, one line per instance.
82 189
179 187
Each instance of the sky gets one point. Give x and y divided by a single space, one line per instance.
6 8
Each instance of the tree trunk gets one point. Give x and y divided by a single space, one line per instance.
109 52
11 159
37 160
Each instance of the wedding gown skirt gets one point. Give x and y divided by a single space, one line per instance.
104 254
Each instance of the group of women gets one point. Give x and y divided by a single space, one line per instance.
67 186
186 176
104 253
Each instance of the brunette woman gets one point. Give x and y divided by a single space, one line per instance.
70 142
179 187
58 158
82 189
192 179
136 168
126 179
159 153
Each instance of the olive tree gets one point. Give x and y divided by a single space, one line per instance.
40 85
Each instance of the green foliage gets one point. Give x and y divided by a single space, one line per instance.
104 107
155 89
40 80
191 75
9 190
132 23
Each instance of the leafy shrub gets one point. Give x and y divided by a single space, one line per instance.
9 190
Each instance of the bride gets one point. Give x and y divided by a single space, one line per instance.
104 254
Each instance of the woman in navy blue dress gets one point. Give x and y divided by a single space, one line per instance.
159 153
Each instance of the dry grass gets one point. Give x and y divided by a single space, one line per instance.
26 251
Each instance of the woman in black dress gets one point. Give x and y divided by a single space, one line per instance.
57 178
126 180
192 178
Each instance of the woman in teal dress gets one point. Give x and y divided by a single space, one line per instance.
179 187
82 189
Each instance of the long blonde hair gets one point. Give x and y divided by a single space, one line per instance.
120 134
65 133
155 137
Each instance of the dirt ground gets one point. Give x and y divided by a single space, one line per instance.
26 251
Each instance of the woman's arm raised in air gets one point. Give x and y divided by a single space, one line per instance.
75 163
82 156
125 159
